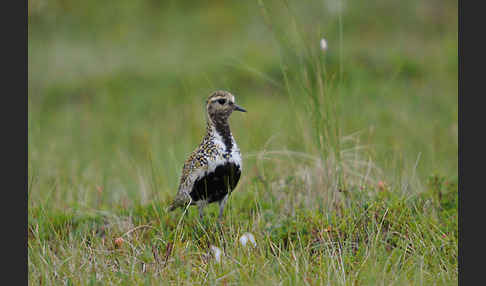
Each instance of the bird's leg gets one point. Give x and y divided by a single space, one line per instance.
222 203
201 204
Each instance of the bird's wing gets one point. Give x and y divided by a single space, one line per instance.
194 166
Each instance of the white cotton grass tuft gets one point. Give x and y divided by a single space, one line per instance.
247 237
323 44
217 252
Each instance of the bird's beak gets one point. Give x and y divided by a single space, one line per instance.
239 108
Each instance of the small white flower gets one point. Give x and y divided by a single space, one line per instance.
217 253
247 237
323 45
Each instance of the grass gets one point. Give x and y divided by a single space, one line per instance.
382 238
350 155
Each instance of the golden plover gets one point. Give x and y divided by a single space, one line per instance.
212 171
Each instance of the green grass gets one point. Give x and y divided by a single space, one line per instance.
350 155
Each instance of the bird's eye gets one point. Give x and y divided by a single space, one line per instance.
221 101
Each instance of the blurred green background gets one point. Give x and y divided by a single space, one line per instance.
117 88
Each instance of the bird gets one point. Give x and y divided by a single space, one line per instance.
213 169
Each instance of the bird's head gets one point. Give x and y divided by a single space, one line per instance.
220 105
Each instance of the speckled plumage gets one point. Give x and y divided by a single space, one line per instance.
216 160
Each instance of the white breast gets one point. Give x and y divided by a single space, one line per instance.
236 155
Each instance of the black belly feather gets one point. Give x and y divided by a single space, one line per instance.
215 185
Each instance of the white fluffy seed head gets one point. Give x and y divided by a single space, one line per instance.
323 43
217 253
247 237
243 240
